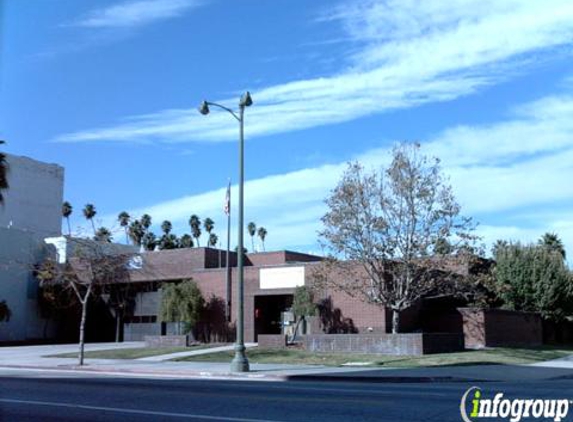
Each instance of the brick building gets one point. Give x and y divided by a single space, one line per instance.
270 280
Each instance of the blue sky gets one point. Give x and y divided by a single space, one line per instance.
109 90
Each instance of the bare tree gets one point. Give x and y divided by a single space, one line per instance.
5 312
3 174
91 266
385 232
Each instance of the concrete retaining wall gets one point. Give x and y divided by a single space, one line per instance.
387 344
166 341
137 332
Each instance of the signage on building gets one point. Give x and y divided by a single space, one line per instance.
281 278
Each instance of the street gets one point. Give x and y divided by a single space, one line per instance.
37 396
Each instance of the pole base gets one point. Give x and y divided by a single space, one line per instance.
240 362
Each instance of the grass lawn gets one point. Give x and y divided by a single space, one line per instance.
505 356
134 353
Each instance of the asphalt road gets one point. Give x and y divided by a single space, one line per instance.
31 396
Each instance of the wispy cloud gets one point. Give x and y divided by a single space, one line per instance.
135 13
510 175
406 53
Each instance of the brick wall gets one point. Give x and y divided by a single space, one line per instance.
272 341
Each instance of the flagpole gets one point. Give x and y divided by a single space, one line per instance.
229 287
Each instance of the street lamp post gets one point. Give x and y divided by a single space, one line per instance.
240 362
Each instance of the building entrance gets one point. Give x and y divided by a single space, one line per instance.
268 312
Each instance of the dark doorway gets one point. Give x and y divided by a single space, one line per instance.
268 311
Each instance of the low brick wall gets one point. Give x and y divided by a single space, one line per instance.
413 344
166 341
272 341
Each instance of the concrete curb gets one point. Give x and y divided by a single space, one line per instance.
251 376
142 373
385 380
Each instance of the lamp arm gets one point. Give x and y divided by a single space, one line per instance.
225 108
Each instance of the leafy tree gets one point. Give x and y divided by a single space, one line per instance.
499 245
302 306
553 243
186 241
136 232
533 278
195 224
90 266
262 232
103 235
181 303
386 227
67 210
89 213
166 227
3 174
213 239
209 225
149 241
123 218
252 230
5 312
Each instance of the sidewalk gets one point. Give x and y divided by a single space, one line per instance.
33 358
170 356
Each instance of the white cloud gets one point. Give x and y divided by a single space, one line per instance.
512 166
409 53
129 14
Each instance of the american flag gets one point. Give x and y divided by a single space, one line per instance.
227 205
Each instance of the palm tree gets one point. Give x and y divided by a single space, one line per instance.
186 241
195 224
3 174
252 229
213 239
67 210
149 241
89 213
136 232
209 225
168 241
123 219
262 234
145 222
103 235
166 227
552 242
245 250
